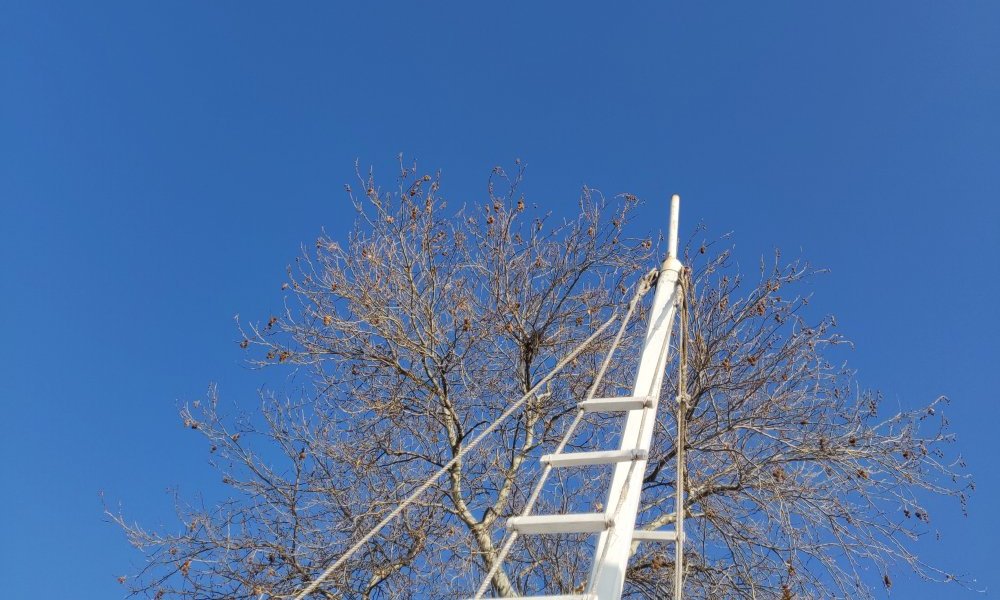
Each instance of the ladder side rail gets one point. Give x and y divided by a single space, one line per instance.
644 285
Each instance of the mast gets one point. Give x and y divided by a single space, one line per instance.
614 546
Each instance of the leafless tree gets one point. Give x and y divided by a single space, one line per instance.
423 325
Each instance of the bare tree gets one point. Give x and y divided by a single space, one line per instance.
420 328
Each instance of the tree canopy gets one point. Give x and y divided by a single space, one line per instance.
419 327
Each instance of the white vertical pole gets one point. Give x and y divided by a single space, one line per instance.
681 426
675 212
614 545
679 497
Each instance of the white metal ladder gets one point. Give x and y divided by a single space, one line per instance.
616 525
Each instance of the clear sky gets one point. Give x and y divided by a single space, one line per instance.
161 163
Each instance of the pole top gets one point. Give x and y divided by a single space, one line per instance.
675 209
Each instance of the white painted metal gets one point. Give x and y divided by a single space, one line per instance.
563 597
560 597
654 536
555 597
603 457
680 441
675 217
614 545
553 524
679 498
619 404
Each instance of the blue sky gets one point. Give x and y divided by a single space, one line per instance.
161 164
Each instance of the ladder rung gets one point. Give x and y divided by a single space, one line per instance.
620 403
604 457
654 536
572 523
557 597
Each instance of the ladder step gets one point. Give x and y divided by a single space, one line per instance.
654 536
557 597
617 404
604 457
550 524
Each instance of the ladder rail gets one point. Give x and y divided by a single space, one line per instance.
644 285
